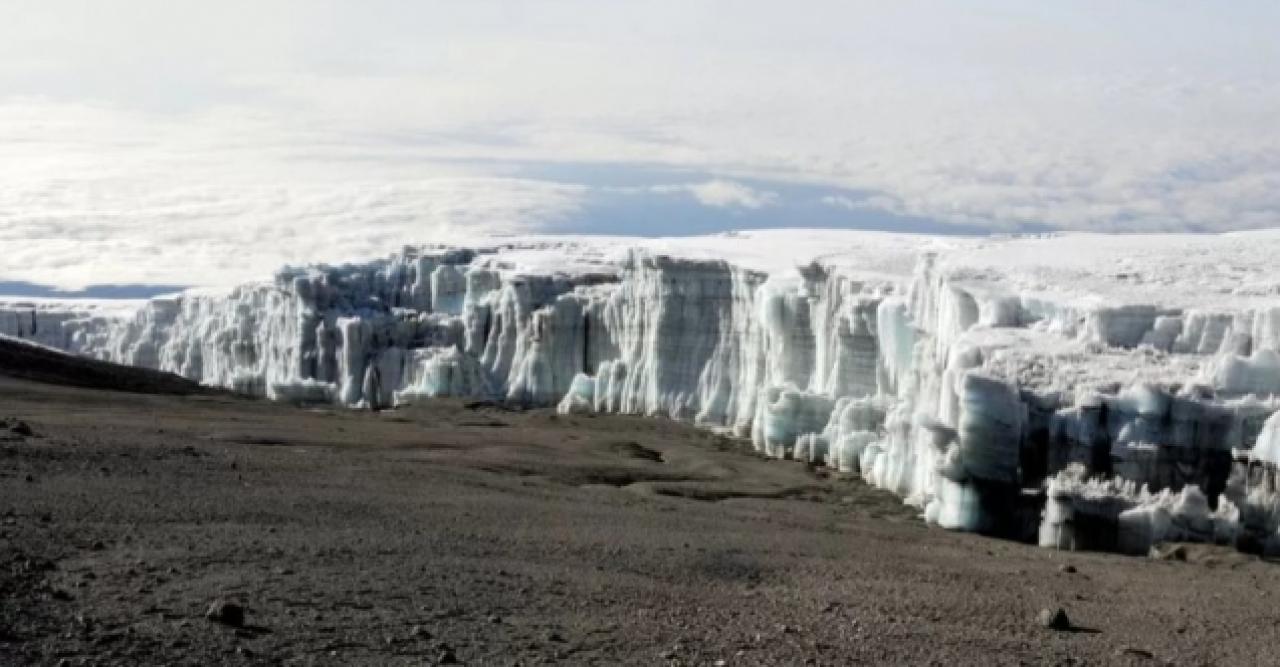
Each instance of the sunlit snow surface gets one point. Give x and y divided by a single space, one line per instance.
1082 391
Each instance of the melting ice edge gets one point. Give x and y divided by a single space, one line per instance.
991 401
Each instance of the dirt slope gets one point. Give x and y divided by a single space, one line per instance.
469 533
22 360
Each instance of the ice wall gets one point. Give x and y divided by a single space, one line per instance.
993 405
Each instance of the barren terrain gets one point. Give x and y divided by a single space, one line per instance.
471 533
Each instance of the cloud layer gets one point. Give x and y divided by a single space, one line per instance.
722 193
145 138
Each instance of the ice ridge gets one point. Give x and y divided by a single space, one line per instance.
991 403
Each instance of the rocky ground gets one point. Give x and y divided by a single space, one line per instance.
471 534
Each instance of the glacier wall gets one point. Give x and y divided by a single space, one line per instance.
1078 424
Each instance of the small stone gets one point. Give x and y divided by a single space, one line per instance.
1054 619
1067 569
36 565
447 657
787 629
554 637
1176 552
29 478
418 631
226 613
495 619
98 545
1135 652
108 638
21 428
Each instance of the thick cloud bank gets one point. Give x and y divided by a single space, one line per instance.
230 138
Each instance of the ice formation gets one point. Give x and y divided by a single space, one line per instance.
1080 391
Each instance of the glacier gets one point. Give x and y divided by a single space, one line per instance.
1073 390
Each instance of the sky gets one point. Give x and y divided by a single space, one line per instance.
174 142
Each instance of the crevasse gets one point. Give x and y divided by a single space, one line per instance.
1073 423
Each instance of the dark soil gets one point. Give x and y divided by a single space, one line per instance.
32 362
489 536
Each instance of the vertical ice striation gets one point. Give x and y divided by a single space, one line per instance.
991 398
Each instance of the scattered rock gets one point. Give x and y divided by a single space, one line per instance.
1067 569
108 638
1176 552
37 565
1054 619
21 428
226 613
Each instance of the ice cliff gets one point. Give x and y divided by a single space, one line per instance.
1084 392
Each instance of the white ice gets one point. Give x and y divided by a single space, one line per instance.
1130 380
